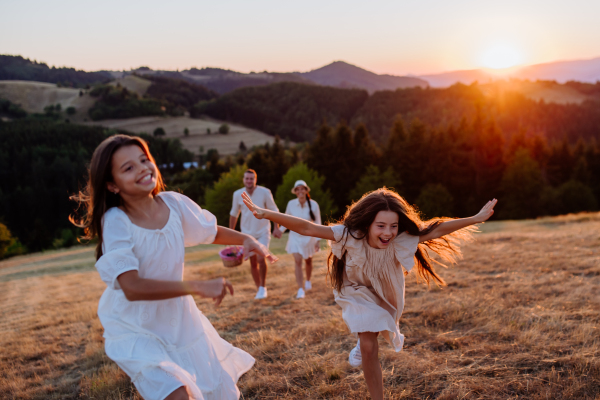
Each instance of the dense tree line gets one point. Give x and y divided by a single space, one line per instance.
165 96
294 110
450 171
290 110
453 171
19 68
177 95
115 101
42 163
512 111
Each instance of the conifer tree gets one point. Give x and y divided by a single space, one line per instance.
366 151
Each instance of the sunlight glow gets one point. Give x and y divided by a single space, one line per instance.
500 56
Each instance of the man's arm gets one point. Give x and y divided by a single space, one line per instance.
232 222
270 205
235 211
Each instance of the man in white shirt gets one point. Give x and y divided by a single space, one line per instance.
260 229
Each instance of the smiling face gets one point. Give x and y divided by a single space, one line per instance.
133 172
383 229
301 192
249 180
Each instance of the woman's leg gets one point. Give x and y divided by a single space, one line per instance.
308 262
369 350
299 275
179 394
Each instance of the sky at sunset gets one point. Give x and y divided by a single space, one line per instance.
396 37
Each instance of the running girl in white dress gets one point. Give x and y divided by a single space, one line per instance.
152 327
303 247
378 235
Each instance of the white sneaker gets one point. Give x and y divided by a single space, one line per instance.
355 358
307 285
300 294
261 294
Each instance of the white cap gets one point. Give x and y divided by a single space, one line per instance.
300 183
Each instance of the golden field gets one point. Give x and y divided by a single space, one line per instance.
520 318
174 126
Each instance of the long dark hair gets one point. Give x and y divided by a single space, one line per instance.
360 215
95 197
310 211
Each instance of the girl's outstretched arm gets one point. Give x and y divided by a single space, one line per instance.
297 225
448 227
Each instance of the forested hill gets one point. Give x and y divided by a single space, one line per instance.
19 68
290 110
295 111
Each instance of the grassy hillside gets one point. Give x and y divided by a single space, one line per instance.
198 136
518 319
35 96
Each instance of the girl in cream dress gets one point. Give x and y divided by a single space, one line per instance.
153 329
379 240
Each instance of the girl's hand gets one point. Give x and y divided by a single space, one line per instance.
258 212
214 288
252 247
486 212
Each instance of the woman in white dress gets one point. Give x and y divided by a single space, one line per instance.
303 247
152 327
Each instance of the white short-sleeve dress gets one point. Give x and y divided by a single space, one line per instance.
372 296
164 344
297 243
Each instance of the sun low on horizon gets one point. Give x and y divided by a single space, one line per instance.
501 56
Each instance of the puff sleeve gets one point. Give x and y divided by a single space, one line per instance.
199 226
405 246
117 248
344 242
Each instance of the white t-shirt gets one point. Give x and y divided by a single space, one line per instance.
250 225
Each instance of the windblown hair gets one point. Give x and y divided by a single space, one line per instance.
95 197
361 214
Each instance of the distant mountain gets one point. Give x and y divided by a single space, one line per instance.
560 71
563 71
343 75
337 74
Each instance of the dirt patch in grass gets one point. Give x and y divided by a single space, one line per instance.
520 318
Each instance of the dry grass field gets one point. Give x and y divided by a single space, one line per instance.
174 126
520 318
34 96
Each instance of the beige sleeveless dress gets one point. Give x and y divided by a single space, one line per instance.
372 298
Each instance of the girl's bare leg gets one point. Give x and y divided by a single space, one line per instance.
299 275
308 262
369 349
179 394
